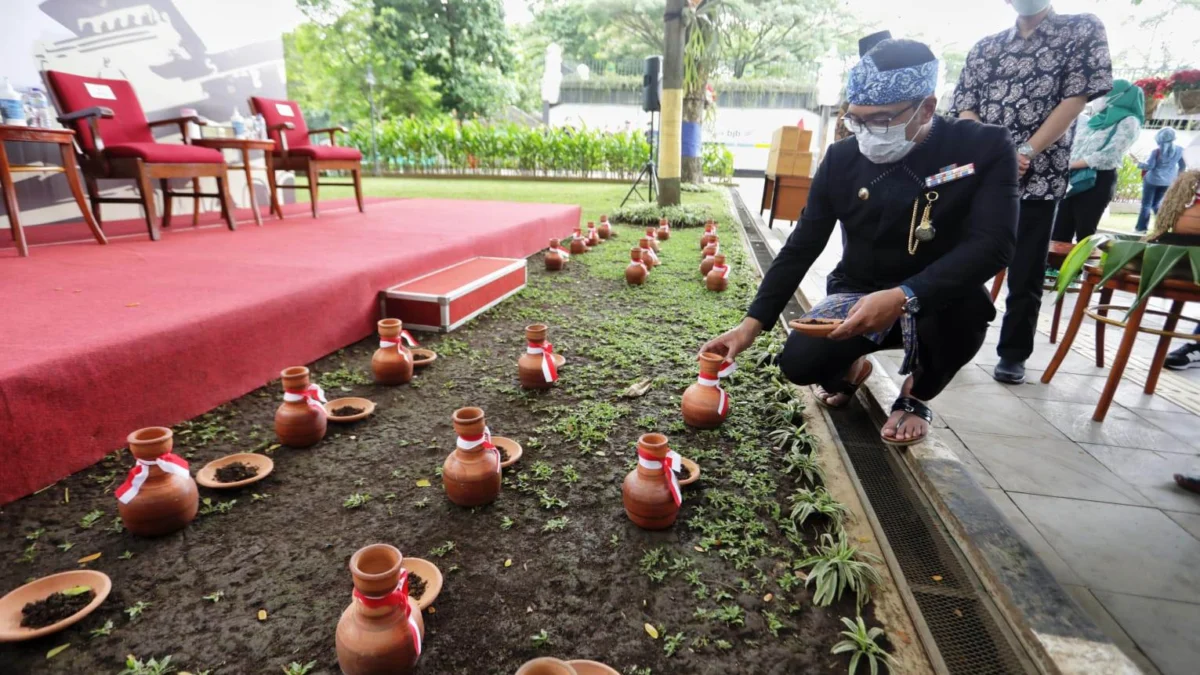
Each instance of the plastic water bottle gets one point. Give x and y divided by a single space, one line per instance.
12 108
239 124
260 127
39 108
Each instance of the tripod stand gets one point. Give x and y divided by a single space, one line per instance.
649 172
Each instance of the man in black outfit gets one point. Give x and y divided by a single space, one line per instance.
928 206
1034 79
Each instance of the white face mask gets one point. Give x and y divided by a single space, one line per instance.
890 146
1029 7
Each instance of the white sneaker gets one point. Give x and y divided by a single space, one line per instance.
1184 358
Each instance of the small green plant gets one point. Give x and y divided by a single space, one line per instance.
614 541
789 438
556 524
806 503
90 519
136 610
126 555
506 523
356 500
296 668
343 378
549 501
542 471
804 466
836 566
672 643
569 474
66 546
443 550
116 526
773 623
861 642
102 631
420 503
215 596
541 639
208 507
788 413
34 535
256 497
135 666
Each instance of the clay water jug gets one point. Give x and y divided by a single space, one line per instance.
301 419
710 230
652 235
392 363
536 367
706 265
714 245
578 243
605 230
547 666
159 495
556 256
471 474
664 229
593 237
705 403
649 259
651 491
381 631
717 279
635 274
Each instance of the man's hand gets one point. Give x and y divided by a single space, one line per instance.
731 343
1022 165
872 313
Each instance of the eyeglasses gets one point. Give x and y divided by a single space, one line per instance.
876 125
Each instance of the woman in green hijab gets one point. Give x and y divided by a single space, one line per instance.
1098 151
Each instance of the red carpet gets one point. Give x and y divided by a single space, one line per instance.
98 341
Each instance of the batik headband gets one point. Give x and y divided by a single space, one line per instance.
870 86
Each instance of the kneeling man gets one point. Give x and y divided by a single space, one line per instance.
928 206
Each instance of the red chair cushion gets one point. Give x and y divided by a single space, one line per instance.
165 153
276 112
327 152
76 92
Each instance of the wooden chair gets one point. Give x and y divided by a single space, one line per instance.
1178 291
294 151
116 141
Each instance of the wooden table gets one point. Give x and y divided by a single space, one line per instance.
786 196
244 146
65 139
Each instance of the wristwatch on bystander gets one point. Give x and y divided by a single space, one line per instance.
911 304
1026 149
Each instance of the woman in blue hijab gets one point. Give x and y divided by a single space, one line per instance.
1164 164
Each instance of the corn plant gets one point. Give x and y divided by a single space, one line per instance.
839 565
807 503
860 642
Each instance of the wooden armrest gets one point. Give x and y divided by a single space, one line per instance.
282 126
94 111
196 119
328 130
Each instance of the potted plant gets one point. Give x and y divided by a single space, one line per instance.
1186 85
1156 89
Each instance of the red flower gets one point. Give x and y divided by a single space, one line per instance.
1186 79
1155 87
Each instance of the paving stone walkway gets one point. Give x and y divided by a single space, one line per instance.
1096 501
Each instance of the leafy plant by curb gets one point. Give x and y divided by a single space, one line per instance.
682 216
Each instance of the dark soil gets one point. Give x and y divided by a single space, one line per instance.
416 585
721 583
54 608
346 411
236 471
503 453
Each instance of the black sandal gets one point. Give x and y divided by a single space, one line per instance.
910 406
845 387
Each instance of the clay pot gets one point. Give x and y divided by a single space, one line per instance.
652 236
167 499
706 265
648 258
714 245
647 491
471 475
664 229
547 666
529 366
578 243
593 237
710 231
380 632
705 404
392 362
604 230
300 420
717 278
635 274
554 256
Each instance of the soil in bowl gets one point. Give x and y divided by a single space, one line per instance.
58 606
346 411
416 585
503 453
235 471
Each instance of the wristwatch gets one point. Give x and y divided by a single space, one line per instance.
1026 149
911 304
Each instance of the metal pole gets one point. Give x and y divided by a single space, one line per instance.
374 143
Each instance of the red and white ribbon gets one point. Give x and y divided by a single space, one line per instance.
727 369
669 465
723 270
549 369
314 395
649 252
566 255
405 336
485 440
592 233
398 597
170 463
665 226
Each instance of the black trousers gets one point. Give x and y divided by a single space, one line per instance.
1026 277
1080 215
946 340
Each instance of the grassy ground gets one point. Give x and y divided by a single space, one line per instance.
553 567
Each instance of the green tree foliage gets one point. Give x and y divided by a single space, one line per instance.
755 34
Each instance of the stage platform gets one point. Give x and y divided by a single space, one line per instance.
98 341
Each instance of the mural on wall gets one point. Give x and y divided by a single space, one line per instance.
208 55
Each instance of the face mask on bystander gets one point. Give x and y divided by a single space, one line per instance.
1029 7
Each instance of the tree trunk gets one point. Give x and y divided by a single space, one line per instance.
693 136
672 106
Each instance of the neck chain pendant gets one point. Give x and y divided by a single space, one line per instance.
924 231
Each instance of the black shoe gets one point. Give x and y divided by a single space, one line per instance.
1009 372
1187 356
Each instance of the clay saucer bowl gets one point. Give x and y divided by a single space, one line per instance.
423 357
431 575
512 447
208 475
559 360
815 327
693 471
584 667
11 604
368 407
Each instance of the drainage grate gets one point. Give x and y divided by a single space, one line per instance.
964 625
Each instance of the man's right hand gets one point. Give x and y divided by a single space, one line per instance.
733 342
1022 165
